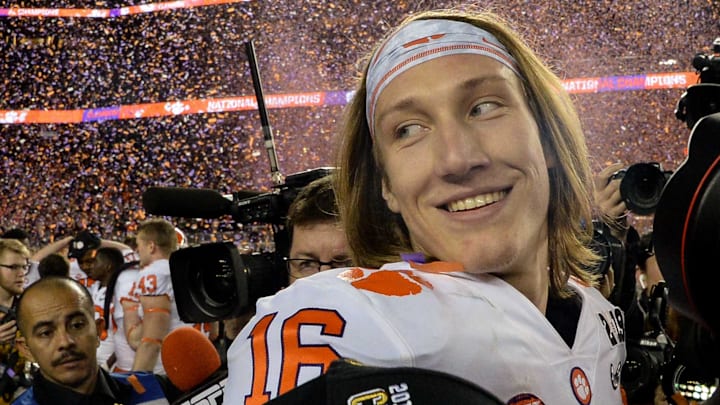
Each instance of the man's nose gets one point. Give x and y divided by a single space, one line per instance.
457 150
65 339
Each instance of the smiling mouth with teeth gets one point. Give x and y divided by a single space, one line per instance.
476 202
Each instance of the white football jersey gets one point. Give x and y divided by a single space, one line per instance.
475 326
106 348
154 280
124 286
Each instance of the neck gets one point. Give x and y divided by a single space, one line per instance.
159 257
534 287
6 298
85 388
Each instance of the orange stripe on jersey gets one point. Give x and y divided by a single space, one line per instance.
438 267
87 282
151 340
128 299
391 283
103 332
156 309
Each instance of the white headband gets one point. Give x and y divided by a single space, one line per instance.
424 40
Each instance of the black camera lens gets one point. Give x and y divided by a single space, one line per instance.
641 187
217 282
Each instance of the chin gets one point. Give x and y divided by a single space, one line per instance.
497 264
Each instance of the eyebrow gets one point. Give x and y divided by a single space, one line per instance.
408 103
43 324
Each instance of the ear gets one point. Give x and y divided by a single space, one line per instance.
99 326
23 348
389 198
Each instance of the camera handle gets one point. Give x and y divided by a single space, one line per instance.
277 177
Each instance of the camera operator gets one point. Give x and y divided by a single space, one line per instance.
614 214
661 343
317 241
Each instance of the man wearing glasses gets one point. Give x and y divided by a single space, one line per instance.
317 241
14 264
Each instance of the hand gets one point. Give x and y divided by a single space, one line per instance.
8 332
607 192
609 200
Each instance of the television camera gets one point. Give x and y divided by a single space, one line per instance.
215 281
686 239
641 185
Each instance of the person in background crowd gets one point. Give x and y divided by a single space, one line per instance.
54 264
154 313
56 316
317 240
14 256
122 285
107 261
17 234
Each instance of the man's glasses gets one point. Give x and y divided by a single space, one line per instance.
17 267
305 267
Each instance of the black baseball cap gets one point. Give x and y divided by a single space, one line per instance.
348 382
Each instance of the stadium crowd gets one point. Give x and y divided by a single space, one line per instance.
60 178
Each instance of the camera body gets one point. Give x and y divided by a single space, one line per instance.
608 247
649 348
703 99
215 281
641 185
645 364
272 207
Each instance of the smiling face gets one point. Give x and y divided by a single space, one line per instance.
464 164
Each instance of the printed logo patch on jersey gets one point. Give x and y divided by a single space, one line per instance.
525 399
580 386
386 282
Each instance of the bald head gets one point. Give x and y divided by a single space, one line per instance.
52 287
56 318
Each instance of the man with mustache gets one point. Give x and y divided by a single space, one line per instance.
56 317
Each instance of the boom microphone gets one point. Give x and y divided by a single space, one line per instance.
189 358
186 202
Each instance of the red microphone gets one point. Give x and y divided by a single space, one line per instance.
189 358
